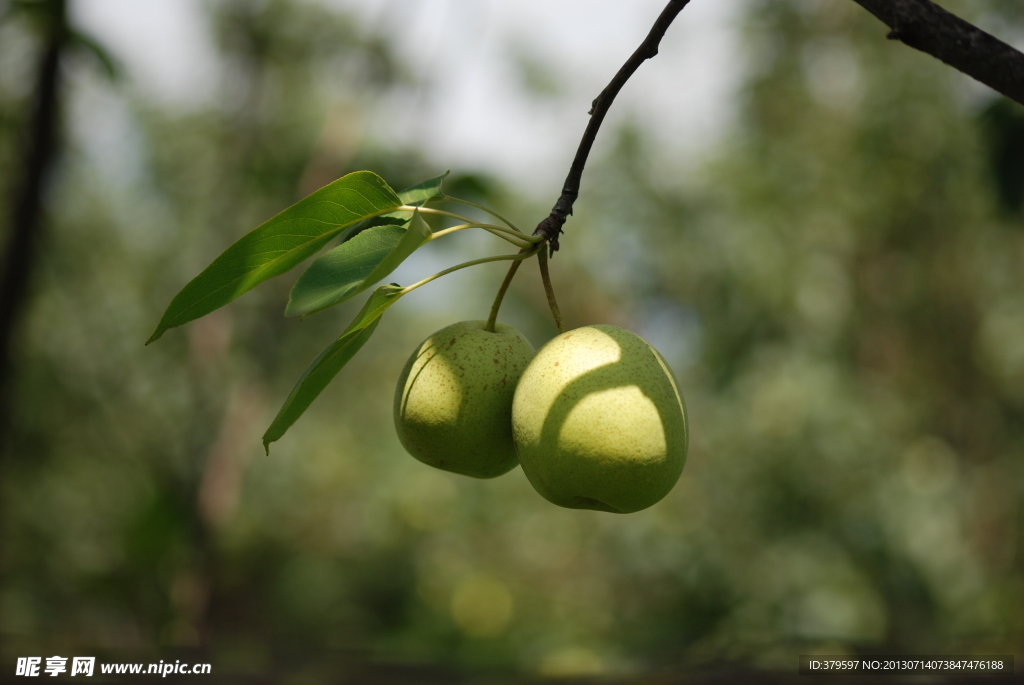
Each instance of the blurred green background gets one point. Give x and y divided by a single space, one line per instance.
837 280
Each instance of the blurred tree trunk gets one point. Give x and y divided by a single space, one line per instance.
27 202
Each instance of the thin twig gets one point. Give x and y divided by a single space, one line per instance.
551 226
542 259
925 26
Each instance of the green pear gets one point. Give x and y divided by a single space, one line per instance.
599 423
453 403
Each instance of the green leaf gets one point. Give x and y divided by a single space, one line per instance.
416 196
341 273
354 266
327 365
381 298
281 243
415 237
422 193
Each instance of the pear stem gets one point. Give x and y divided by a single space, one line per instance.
493 318
542 259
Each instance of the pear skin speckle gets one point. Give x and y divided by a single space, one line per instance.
453 402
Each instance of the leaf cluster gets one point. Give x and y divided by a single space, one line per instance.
378 230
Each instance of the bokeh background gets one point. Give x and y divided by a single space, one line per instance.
821 230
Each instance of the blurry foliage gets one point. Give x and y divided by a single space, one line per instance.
1004 123
839 292
857 417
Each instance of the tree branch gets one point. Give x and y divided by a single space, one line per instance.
551 226
921 24
925 26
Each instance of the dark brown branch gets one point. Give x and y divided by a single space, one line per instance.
551 226
925 26
921 24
